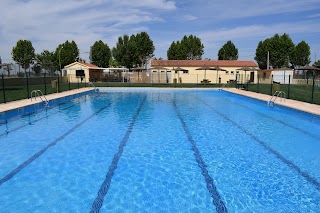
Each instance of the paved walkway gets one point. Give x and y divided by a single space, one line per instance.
303 106
26 102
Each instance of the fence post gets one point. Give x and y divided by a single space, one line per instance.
258 83
312 94
289 86
69 82
58 85
45 84
3 91
271 85
27 85
78 83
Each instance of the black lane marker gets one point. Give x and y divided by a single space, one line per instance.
39 119
104 188
280 121
220 206
38 154
308 177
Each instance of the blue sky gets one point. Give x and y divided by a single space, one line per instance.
246 22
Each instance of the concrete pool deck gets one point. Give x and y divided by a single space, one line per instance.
26 102
302 106
306 107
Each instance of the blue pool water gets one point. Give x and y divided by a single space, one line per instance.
161 150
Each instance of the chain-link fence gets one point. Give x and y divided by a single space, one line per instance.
295 86
17 83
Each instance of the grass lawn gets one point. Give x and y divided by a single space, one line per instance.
296 92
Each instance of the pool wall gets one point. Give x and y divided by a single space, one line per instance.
6 115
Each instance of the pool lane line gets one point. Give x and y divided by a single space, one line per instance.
217 201
36 120
39 153
104 188
289 163
280 121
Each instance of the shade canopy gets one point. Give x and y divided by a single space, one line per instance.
245 68
205 68
179 69
159 68
219 68
308 68
139 68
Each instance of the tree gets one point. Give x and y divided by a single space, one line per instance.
280 50
262 53
189 48
66 53
301 54
46 60
100 54
23 53
144 47
125 51
316 63
228 52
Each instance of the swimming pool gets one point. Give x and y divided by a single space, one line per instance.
161 150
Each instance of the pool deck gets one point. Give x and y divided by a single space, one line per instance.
26 102
302 106
306 107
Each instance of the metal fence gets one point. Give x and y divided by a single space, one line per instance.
18 83
295 87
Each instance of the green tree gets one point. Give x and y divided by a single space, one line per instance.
45 60
125 52
100 54
316 63
280 51
228 52
66 53
262 53
144 48
189 48
23 53
301 54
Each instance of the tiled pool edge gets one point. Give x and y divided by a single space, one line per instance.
36 106
289 103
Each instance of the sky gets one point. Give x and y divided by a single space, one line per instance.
48 23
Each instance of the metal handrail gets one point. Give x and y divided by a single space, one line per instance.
38 93
277 94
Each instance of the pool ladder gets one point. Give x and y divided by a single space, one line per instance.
277 94
92 85
38 93
223 87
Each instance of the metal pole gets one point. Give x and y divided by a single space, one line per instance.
45 83
271 85
78 83
258 83
69 82
27 85
58 83
289 86
312 94
3 91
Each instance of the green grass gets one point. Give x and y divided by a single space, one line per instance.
14 93
296 92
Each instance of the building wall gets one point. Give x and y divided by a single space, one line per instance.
71 74
196 76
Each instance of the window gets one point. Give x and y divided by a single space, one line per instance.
154 71
227 72
232 72
185 71
237 72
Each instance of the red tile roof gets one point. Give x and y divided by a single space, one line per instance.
88 65
201 63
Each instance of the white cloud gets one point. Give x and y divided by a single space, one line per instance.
48 23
